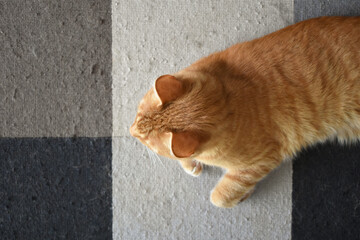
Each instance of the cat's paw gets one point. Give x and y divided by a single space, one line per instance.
220 199
195 169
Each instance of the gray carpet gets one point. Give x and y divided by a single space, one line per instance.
72 73
55 119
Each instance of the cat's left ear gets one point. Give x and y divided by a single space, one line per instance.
168 88
184 144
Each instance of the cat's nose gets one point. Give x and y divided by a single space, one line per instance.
133 131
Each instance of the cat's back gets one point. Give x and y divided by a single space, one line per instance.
320 56
307 42
321 53
323 49
303 80
318 63
339 28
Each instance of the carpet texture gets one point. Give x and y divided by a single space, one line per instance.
71 75
55 187
55 87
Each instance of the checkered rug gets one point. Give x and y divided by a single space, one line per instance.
72 73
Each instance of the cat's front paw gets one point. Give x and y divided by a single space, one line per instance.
219 200
226 200
194 169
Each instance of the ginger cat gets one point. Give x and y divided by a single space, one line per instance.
249 107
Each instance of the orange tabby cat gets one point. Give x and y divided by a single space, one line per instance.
249 107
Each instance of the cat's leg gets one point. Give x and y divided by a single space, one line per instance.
237 185
192 167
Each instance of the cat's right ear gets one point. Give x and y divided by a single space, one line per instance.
184 144
168 88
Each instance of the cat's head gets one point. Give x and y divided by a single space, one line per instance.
173 117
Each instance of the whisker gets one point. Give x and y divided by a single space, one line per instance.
150 155
160 160
156 157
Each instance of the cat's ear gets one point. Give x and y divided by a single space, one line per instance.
168 88
184 144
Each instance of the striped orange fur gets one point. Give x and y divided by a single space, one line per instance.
249 107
